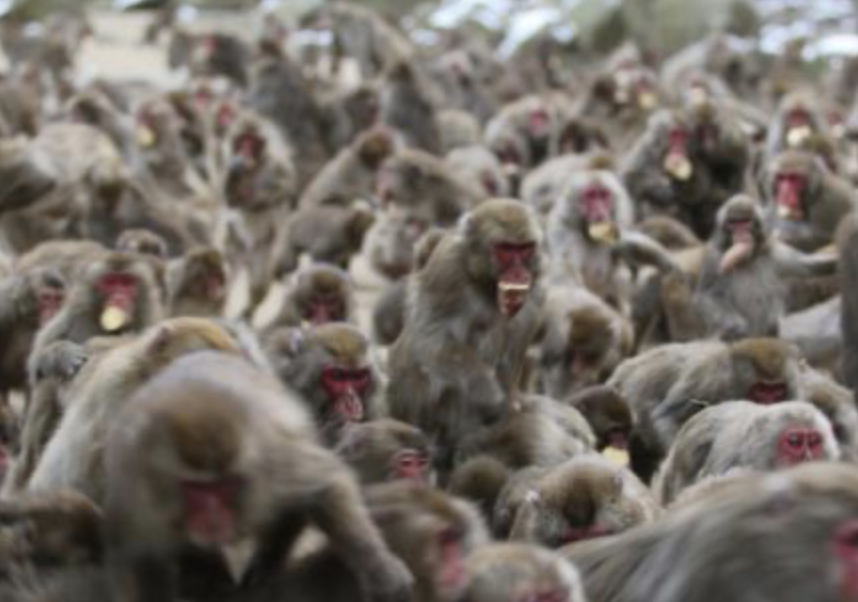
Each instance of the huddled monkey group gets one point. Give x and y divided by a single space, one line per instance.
393 318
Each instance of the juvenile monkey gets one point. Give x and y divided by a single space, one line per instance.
667 385
317 295
197 283
386 450
584 498
744 434
212 451
608 414
331 366
472 315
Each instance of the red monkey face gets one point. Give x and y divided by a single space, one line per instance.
768 393
324 308
677 163
789 195
119 291
210 510
515 277
799 127
597 206
800 444
347 388
412 465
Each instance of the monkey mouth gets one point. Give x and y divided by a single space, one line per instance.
512 293
790 212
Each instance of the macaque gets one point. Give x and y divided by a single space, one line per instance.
328 234
220 54
197 283
317 294
331 366
116 294
425 188
352 174
742 288
74 454
142 242
518 572
407 107
582 340
744 434
474 312
806 514
542 186
211 452
477 164
386 450
805 201
608 414
667 385
797 120
581 499
523 134
458 129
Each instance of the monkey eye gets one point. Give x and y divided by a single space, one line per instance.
794 440
508 252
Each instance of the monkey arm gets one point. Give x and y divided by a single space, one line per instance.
791 262
639 249
680 404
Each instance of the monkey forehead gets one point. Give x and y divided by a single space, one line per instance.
739 204
323 276
509 219
769 356
343 341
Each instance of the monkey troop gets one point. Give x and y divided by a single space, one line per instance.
379 320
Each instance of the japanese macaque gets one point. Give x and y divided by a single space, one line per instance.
835 401
517 572
797 120
352 174
476 163
582 340
458 129
667 385
407 107
317 294
805 200
325 234
332 367
473 314
806 514
608 414
197 283
847 246
542 186
74 453
28 300
741 434
537 432
425 188
391 244
55 530
741 291
212 452
523 134
142 242
583 498
386 450
117 293
220 54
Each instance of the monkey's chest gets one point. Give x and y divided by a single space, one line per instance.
757 294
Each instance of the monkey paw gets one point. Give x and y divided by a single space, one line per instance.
61 360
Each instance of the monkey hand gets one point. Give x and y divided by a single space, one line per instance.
61 360
390 581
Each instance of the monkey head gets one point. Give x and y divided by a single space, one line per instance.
331 367
799 433
205 275
142 242
608 413
154 122
119 289
635 86
516 572
766 370
596 203
374 146
793 180
740 232
502 245
797 120
322 294
387 450
670 132
46 290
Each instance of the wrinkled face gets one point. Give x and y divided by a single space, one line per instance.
208 281
789 190
739 236
348 389
597 208
677 162
798 444
515 276
120 292
412 464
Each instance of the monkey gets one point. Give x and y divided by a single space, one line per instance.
229 488
142 242
458 129
582 340
327 234
74 453
805 512
352 174
332 367
350 113
29 299
424 187
542 186
511 572
847 249
835 401
583 498
796 120
388 317
116 294
49 531
407 107
523 134
667 385
27 176
804 200
477 164
67 257
220 54
318 294
608 414
473 312
744 434
391 244
197 283
742 285
386 450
